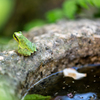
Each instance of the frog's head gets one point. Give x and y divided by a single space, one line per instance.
17 36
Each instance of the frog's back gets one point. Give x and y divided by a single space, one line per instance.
26 44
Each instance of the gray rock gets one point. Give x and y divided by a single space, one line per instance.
60 45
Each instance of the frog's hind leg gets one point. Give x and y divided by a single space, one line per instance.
23 52
34 46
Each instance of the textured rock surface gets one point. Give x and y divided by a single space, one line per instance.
60 45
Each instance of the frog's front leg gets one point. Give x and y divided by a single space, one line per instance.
24 52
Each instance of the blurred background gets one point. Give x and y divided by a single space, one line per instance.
22 15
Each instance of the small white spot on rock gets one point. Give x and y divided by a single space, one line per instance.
96 36
1 58
11 52
0 68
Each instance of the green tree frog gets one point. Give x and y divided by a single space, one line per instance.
25 47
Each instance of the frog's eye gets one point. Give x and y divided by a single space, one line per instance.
16 37
20 32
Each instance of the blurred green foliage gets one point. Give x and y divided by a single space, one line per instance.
6 7
54 15
69 9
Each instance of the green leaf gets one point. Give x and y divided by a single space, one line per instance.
90 2
36 97
54 15
6 8
96 3
82 3
70 8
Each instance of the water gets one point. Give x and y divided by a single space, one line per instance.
56 85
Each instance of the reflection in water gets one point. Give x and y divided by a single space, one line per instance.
85 96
